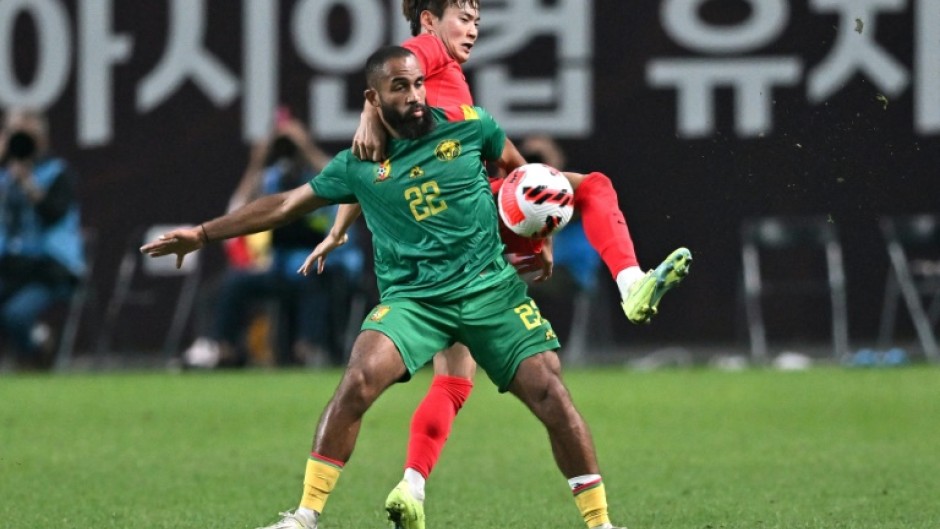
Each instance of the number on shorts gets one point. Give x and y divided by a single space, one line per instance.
530 315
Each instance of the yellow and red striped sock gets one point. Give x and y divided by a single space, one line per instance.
591 498
319 480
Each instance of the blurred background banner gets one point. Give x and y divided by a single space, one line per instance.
703 113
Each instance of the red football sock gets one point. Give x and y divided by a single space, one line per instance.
430 425
604 224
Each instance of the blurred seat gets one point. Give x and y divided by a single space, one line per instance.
792 237
82 295
574 254
142 281
913 246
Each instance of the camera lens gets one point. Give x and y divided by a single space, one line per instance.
21 146
281 148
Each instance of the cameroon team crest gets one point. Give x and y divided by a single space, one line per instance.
383 171
447 150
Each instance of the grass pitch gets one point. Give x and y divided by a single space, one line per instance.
827 448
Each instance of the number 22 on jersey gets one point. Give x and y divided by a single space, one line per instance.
425 200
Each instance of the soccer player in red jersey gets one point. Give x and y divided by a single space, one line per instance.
444 34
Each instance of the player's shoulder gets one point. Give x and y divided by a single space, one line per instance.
343 162
457 113
425 42
343 157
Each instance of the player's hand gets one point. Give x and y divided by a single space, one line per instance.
369 141
180 242
548 259
540 264
318 255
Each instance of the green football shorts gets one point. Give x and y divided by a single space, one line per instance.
501 325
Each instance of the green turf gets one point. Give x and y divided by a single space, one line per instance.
831 448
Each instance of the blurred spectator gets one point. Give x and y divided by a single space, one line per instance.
311 310
41 255
543 149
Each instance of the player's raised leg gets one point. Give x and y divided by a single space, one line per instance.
606 229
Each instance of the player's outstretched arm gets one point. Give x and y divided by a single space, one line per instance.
265 213
337 236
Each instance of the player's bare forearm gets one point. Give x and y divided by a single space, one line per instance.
510 159
346 214
265 213
370 138
336 237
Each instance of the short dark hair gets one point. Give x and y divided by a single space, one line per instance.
412 10
375 64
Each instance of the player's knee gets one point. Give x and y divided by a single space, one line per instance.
538 383
593 183
554 406
358 389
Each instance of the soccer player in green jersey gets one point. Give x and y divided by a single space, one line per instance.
444 34
441 275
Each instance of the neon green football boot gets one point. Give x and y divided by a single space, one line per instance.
404 510
642 301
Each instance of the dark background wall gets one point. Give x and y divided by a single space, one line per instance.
853 157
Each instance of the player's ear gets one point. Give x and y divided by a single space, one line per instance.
372 96
427 20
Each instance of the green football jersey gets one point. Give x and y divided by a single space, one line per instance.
429 206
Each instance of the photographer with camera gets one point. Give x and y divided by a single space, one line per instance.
41 255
